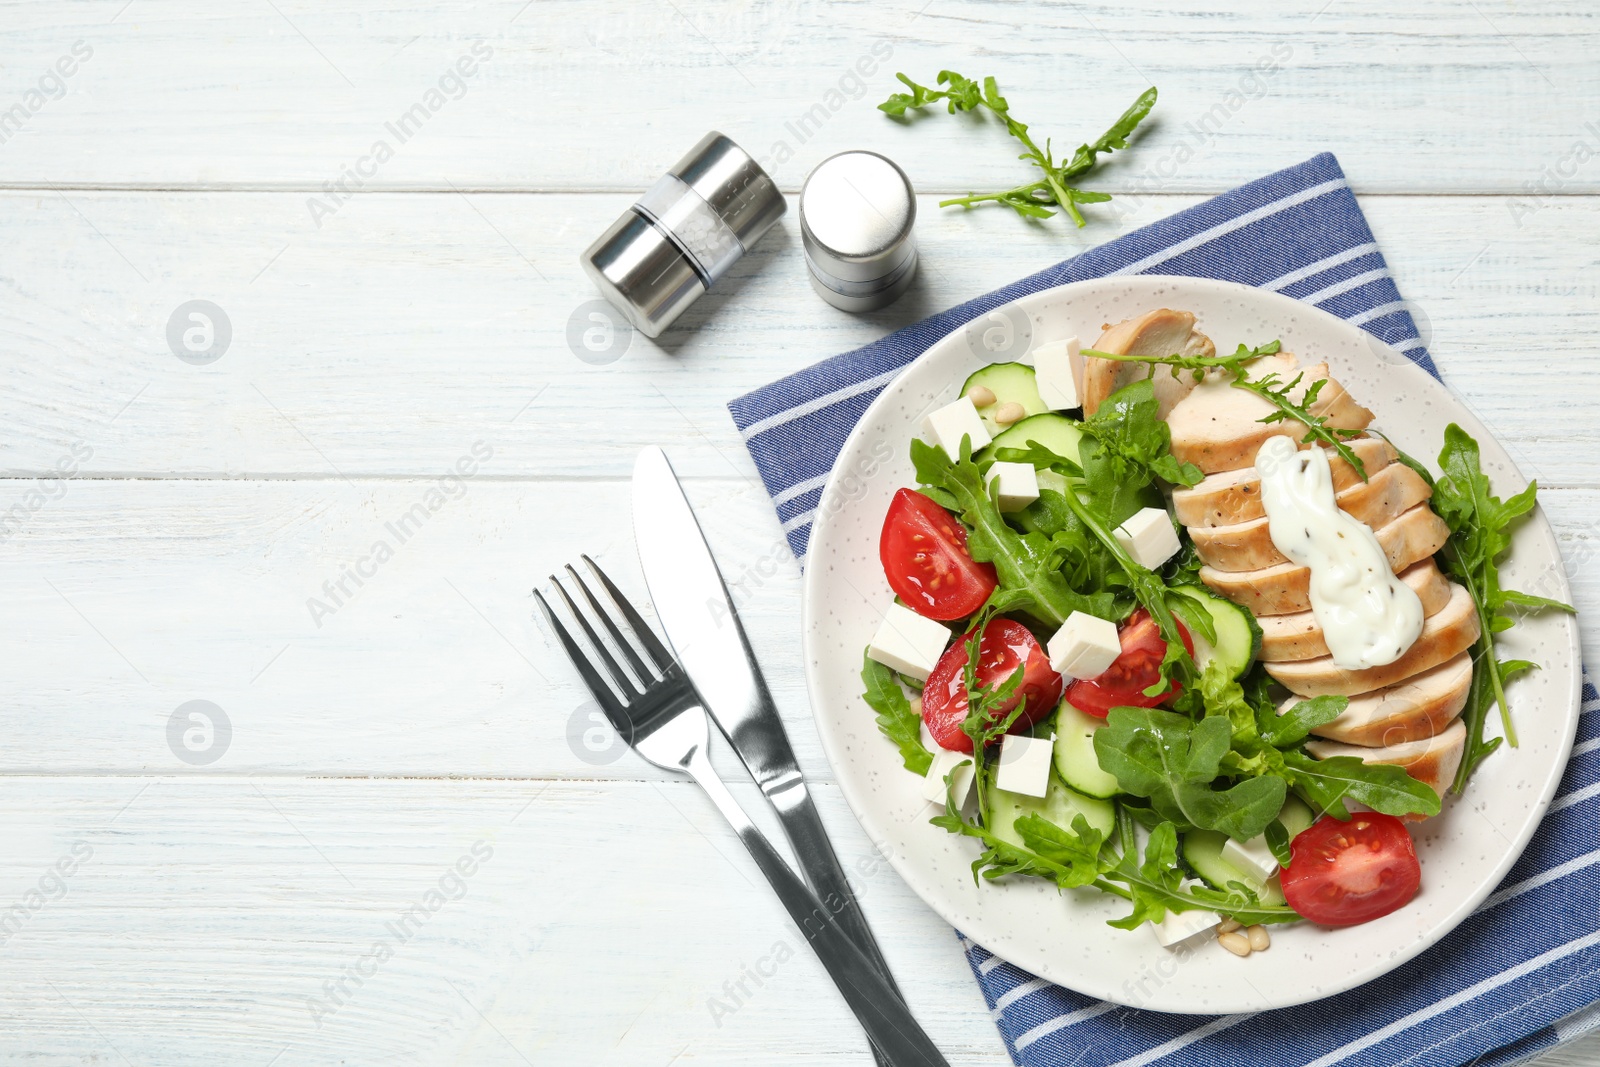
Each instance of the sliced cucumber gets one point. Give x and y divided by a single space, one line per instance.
1056 432
1075 760
1202 850
1296 816
1059 805
1238 636
1011 383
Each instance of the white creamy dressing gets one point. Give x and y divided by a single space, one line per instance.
1368 616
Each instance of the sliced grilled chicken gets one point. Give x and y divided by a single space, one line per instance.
1162 332
1446 634
1230 497
1218 427
1248 546
1419 707
1284 587
1431 759
1297 636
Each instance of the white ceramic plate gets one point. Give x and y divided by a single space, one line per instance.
1465 851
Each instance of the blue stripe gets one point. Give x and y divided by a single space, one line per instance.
1503 1024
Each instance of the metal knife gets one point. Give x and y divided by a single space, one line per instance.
694 608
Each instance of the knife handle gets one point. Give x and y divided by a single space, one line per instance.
898 1040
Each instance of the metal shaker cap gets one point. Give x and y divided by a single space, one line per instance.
684 233
857 211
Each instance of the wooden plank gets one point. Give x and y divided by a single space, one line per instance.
572 924
567 94
126 600
413 325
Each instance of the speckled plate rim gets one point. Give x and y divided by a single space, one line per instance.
1466 850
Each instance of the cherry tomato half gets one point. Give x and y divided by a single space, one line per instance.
924 552
1136 669
1006 645
1344 873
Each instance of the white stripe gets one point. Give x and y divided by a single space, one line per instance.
1577 796
802 519
1321 265
1587 747
1061 1022
989 964
818 403
1011 996
1542 878
1378 312
799 489
1472 992
1223 228
1184 1040
1340 288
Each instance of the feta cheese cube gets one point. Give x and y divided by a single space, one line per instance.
1180 926
1084 646
1058 371
1025 764
1253 857
951 423
1148 537
1013 485
908 643
944 761
1048 479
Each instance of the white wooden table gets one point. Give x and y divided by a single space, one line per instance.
240 911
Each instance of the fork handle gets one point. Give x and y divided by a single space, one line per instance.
898 1039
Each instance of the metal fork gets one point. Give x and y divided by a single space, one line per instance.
660 718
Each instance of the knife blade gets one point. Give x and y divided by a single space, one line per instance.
694 608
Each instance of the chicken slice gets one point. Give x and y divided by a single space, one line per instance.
1298 636
1230 497
1248 546
1421 706
1162 332
1430 759
1446 634
1286 587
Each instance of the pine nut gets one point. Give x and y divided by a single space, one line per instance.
1228 926
1235 942
1259 941
981 396
1008 413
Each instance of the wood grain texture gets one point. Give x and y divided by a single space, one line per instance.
378 337
582 96
414 325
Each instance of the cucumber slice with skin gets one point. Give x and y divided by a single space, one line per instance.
1011 383
1056 432
1296 816
1238 636
1202 850
1075 758
1059 805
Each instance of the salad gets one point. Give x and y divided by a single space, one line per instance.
1184 628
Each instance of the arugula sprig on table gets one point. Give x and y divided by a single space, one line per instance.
1056 186
1270 387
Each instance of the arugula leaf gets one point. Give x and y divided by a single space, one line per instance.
1075 852
1136 440
1278 841
1296 724
1174 760
1030 199
1159 878
1480 534
1028 565
896 718
1380 786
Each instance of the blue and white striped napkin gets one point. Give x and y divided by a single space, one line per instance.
1518 977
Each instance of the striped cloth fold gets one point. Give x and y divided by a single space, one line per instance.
1519 976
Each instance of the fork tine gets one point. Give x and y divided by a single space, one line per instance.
645 675
597 687
620 676
647 636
